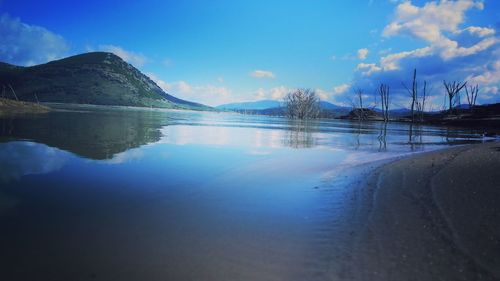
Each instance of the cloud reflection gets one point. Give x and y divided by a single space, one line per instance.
223 136
22 158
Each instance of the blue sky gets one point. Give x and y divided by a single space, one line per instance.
226 51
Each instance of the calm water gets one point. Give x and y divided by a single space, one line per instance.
127 194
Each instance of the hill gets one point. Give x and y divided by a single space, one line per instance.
330 106
91 78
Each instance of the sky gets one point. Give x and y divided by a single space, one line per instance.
216 52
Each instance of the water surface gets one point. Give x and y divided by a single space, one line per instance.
92 193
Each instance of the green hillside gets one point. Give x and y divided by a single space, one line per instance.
91 78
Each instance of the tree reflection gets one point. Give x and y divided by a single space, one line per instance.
382 137
300 134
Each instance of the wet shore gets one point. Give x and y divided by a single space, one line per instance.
433 216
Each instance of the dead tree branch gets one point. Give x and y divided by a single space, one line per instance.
413 94
453 90
472 96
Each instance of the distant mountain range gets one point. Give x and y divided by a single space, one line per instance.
267 104
274 107
91 78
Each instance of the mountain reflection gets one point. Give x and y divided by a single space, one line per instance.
97 135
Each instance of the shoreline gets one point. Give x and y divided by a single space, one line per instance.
430 216
12 107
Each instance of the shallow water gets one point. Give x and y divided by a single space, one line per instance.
91 193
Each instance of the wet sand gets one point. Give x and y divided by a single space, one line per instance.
434 216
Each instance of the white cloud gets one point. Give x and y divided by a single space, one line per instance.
262 74
323 95
479 31
25 44
489 75
362 53
276 93
491 90
368 68
337 95
428 22
433 21
205 94
450 49
136 59
391 62
436 23
340 89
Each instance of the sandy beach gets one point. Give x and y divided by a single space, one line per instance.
434 216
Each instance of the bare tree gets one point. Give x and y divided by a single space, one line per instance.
384 97
472 96
357 104
420 104
453 90
413 94
302 104
359 95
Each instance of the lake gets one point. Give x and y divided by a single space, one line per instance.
95 193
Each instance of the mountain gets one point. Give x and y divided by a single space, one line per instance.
268 104
329 105
90 78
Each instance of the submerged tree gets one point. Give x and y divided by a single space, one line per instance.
413 94
421 103
302 104
384 97
357 104
472 96
359 95
417 102
453 90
